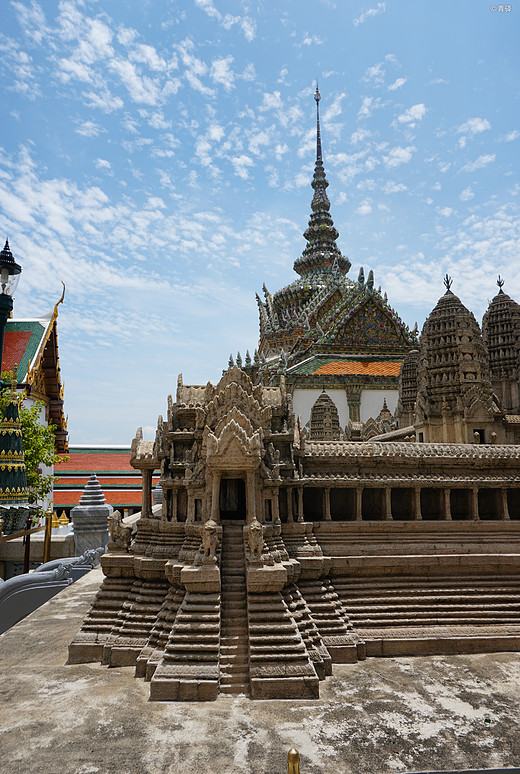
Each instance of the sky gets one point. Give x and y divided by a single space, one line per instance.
156 157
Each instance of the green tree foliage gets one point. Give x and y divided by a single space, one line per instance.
38 445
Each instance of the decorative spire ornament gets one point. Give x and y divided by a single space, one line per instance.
321 252
500 283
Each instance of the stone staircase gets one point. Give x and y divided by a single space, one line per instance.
408 615
234 661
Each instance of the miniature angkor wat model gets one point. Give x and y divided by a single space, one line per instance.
276 549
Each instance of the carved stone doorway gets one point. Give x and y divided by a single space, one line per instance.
232 499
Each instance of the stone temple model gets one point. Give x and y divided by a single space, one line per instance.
300 522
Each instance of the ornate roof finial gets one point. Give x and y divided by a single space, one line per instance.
448 282
317 97
321 252
500 283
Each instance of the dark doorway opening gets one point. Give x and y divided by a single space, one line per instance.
233 499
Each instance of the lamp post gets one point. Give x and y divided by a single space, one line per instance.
9 276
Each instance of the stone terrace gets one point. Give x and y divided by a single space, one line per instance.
381 715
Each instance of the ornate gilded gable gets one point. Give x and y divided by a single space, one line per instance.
233 393
368 326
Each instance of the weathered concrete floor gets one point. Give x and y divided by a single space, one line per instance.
383 715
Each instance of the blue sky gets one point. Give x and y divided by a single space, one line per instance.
156 156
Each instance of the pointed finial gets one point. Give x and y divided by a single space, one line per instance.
317 97
239 359
14 380
500 283
448 282
231 362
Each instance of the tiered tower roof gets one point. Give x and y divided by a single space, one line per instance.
501 333
452 356
323 309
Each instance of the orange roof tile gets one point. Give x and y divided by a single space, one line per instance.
360 368
124 498
96 462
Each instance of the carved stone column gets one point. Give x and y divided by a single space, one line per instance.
446 507
276 505
387 505
326 504
146 511
190 518
173 504
215 497
354 402
359 503
289 492
505 506
300 503
417 503
250 497
474 504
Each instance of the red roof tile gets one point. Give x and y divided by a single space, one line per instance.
15 344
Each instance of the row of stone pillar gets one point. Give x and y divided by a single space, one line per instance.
416 504
295 510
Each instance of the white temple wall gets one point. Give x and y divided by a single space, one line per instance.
304 400
372 402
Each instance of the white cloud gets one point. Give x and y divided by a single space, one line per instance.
368 105
20 64
375 74
474 126
249 73
380 8
309 40
102 164
412 115
365 208
126 35
446 212
103 100
397 84
398 156
470 128
271 101
147 55
360 135
482 161
392 187
246 24
141 89
32 20
241 164
510 136
258 141
222 73
248 28
466 194
89 129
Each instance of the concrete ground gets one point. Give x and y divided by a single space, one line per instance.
381 715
